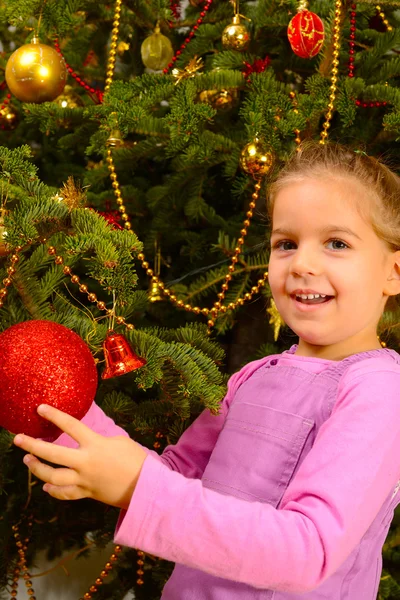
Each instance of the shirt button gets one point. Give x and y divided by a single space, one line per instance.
274 362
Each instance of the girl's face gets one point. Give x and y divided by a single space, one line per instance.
321 244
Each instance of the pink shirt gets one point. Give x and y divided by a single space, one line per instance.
288 493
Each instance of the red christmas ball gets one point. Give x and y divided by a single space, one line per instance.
42 362
306 34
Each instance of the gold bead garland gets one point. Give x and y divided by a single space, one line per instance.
297 139
113 46
334 71
218 307
59 260
10 272
383 17
104 573
21 568
140 571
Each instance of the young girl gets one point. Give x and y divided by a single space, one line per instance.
289 492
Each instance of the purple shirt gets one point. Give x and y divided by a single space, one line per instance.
287 494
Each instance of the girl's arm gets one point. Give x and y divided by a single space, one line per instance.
327 508
191 454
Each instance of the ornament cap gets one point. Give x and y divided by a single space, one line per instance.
35 40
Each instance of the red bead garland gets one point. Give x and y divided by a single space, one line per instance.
190 36
6 101
98 93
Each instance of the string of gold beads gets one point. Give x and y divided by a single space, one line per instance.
104 573
383 17
334 71
83 288
218 307
113 46
117 191
297 139
10 272
21 569
140 564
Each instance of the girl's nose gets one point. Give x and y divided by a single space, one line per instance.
305 261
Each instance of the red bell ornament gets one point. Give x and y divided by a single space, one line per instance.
306 34
119 356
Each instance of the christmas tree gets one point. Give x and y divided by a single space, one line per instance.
137 140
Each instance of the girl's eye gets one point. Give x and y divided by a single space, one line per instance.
282 245
338 244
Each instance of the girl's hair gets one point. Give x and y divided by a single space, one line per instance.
332 160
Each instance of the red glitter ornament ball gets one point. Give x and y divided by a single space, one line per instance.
42 362
306 34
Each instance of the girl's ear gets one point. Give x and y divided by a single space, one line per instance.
392 288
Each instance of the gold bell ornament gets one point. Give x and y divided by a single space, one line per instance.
155 292
36 73
255 160
236 36
156 50
119 356
8 117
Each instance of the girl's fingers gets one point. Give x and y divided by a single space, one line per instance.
68 457
66 492
57 477
77 430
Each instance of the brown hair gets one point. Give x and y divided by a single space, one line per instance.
314 160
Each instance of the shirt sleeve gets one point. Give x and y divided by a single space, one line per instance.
334 497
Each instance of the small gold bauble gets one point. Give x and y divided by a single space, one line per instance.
255 159
8 117
235 36
69 98
36 73
156 50
219 99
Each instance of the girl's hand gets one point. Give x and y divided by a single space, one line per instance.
104 468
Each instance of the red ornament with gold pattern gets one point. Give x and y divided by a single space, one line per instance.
306 33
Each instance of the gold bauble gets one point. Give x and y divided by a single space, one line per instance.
8 117
235 36
219 99
156 51
36 73
255 159
68 98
